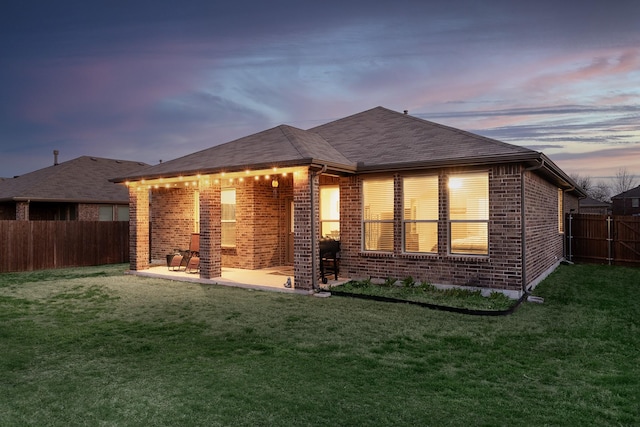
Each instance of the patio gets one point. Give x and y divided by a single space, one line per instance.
268 279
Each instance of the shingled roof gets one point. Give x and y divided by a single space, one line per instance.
84 179
634 192
376 139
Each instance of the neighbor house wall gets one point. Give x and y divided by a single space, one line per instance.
88 212
500 270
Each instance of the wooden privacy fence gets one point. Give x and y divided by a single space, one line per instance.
603 239
37 245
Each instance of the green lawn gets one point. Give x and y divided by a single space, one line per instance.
95 347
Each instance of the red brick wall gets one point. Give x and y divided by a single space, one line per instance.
210 233
139 228
260 224
545 244
303 214
172 221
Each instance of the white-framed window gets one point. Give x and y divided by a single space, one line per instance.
420 214
377 214
228 217
469 213
330 211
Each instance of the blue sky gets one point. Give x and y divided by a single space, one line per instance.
156 80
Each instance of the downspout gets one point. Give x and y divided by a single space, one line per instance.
523 230
567 237
314 276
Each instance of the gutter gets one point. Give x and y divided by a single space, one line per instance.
523 228
314 240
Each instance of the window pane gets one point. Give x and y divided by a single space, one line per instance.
331 229
469 238
329 203
123 213
228 232
378 199
421 237
377 214
469 196
378 236
468 204
106 213
420 198
228 204
560 211
330 211
228 216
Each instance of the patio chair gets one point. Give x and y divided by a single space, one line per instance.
193 263
329 258
177 260
189 259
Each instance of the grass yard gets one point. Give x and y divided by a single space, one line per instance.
92 347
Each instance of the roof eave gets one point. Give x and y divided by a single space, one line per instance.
63 200
307 162
456 162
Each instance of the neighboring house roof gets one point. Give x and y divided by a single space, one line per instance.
84 179
634 192
593 203
373 140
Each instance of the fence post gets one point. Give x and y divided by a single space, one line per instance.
570 236
609 239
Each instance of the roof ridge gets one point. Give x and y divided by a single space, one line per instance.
290 137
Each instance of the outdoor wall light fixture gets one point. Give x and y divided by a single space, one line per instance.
275 183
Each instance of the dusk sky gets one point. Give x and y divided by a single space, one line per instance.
152 80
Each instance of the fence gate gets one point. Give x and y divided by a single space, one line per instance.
603 239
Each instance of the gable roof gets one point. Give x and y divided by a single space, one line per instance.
373 140
634 192
381 138
84 179
278 146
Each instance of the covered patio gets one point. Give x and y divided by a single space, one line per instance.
271 279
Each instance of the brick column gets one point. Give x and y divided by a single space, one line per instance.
138 228
210 232
302 250
22 211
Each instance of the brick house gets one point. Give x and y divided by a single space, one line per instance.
405 197
627 203
77 189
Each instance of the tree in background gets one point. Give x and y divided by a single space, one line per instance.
598 191
623 181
